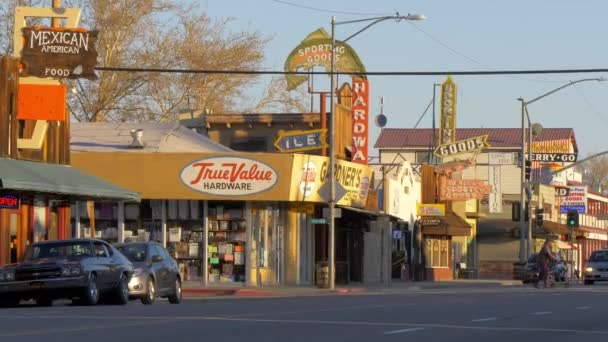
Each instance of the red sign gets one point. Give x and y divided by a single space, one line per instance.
360 107
229 176
462 189
9 202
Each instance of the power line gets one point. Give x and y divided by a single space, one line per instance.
325 10
367 73
470 59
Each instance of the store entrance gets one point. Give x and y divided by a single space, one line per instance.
266 243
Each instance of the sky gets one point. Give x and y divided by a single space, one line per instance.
465 35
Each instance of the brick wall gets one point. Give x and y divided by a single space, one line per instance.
489 269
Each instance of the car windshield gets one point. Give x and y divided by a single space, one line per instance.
134 252
60 249
599 256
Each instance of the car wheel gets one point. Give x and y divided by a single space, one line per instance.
588 282
176 296
122 291
150 295
44 301
91 292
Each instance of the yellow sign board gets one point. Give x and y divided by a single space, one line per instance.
470 145
310 181
447 117
436 209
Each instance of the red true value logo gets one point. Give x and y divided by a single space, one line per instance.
232 172
360 107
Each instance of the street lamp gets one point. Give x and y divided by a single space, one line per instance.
332 152
526 249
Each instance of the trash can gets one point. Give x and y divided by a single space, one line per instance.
322 271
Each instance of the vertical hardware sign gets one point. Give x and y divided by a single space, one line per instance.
447 121
360 107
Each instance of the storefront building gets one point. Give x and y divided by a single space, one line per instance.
227 217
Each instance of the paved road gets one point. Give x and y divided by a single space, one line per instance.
484 314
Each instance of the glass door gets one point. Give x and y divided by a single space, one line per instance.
267 246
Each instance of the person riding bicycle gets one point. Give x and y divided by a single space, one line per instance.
545 259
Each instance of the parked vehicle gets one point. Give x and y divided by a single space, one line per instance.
79 269
156 272
597 267
559 269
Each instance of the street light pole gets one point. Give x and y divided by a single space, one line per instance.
332 162
332 129
525 250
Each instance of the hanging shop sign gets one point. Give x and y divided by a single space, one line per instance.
9 201
52 52
462 189
576 200
360 108
470 145
434 209
501 158
447 119
453 166
430 221
554 157
315 50
297 141
229 176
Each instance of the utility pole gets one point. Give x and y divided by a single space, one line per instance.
56 21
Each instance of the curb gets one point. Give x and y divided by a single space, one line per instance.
352 290
225 292
253 293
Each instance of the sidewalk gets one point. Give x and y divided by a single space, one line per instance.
191 288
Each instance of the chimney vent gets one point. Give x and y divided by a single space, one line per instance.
137 135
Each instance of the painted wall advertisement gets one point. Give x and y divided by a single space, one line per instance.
576 200
310 175
462 189
401 194
495 197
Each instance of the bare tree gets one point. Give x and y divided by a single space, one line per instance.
161 34
595 173
277 98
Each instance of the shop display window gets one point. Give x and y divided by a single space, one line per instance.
184 238
226 242
436 251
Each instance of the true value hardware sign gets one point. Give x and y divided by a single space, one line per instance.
576 200
59 52
229 176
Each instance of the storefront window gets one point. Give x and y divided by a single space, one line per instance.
227 240
436 251
185 232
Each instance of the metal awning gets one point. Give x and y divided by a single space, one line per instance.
38 177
